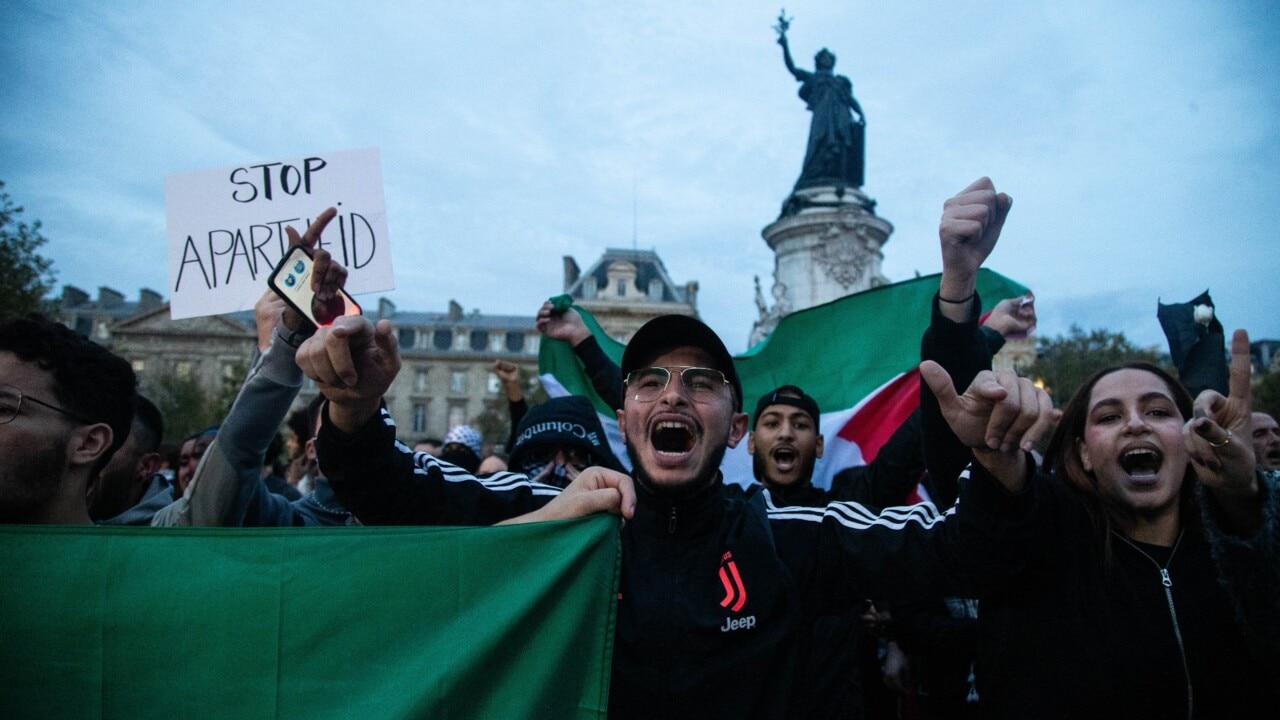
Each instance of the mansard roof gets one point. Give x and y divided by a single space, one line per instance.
648 266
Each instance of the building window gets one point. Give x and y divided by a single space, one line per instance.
495 342
102 331
407 337
419 417
442 340
622 287
420 380
515 342
230 369
457 415
139 366
479 340
182 369
494 384
458 383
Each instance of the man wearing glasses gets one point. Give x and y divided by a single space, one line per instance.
719 591
65 407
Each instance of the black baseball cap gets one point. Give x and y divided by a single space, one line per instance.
668 332
788 395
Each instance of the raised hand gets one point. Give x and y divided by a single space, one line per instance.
353 362
566 326
1218 437
971 224
327 276
999 417
595 490
1013 317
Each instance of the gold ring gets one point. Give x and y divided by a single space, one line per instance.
1225 440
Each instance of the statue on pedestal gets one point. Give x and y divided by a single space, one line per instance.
834 156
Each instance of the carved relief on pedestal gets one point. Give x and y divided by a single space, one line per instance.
845 253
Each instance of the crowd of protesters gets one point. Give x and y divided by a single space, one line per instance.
1130 570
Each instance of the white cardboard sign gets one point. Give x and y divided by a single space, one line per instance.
226 227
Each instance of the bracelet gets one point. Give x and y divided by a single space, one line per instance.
957 302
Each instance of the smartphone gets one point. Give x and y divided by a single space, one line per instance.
291 280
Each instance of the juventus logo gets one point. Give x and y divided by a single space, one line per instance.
735 593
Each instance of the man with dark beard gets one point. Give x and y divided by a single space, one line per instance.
719 592
65 406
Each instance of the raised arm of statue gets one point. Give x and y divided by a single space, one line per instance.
783 23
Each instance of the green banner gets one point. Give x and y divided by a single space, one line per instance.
839 352
500 622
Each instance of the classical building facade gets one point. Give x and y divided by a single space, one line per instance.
213 350
626 288
445 378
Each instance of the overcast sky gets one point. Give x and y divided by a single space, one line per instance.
1139 139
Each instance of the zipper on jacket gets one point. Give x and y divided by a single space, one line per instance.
1167 582
671 522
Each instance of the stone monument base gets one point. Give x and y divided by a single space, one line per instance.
827 244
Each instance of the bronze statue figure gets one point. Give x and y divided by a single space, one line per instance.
834 156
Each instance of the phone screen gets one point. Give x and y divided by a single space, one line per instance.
291 280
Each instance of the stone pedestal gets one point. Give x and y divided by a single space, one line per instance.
826 245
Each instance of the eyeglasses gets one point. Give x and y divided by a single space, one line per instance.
11 404
702 384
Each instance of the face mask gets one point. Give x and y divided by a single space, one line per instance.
535 469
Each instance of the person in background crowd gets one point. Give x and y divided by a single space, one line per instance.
66 405
1266 441
560 438
463 447
130 489
491 464
509 376
271 471
193 449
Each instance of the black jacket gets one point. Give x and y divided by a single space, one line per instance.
1068 635
718 592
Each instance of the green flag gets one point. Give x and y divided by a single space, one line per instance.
498 622
856 356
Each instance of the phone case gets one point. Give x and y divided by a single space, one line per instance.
291 280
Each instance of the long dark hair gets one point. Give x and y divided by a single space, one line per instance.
1063 460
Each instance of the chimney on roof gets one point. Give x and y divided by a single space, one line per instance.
108 298
571 272
149 300
386 309
455 311
73 296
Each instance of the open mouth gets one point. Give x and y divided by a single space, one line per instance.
1141 462
785 458
672 438
1270 460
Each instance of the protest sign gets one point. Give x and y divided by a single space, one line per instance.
226 227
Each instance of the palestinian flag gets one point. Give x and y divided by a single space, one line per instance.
857 356
309 623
